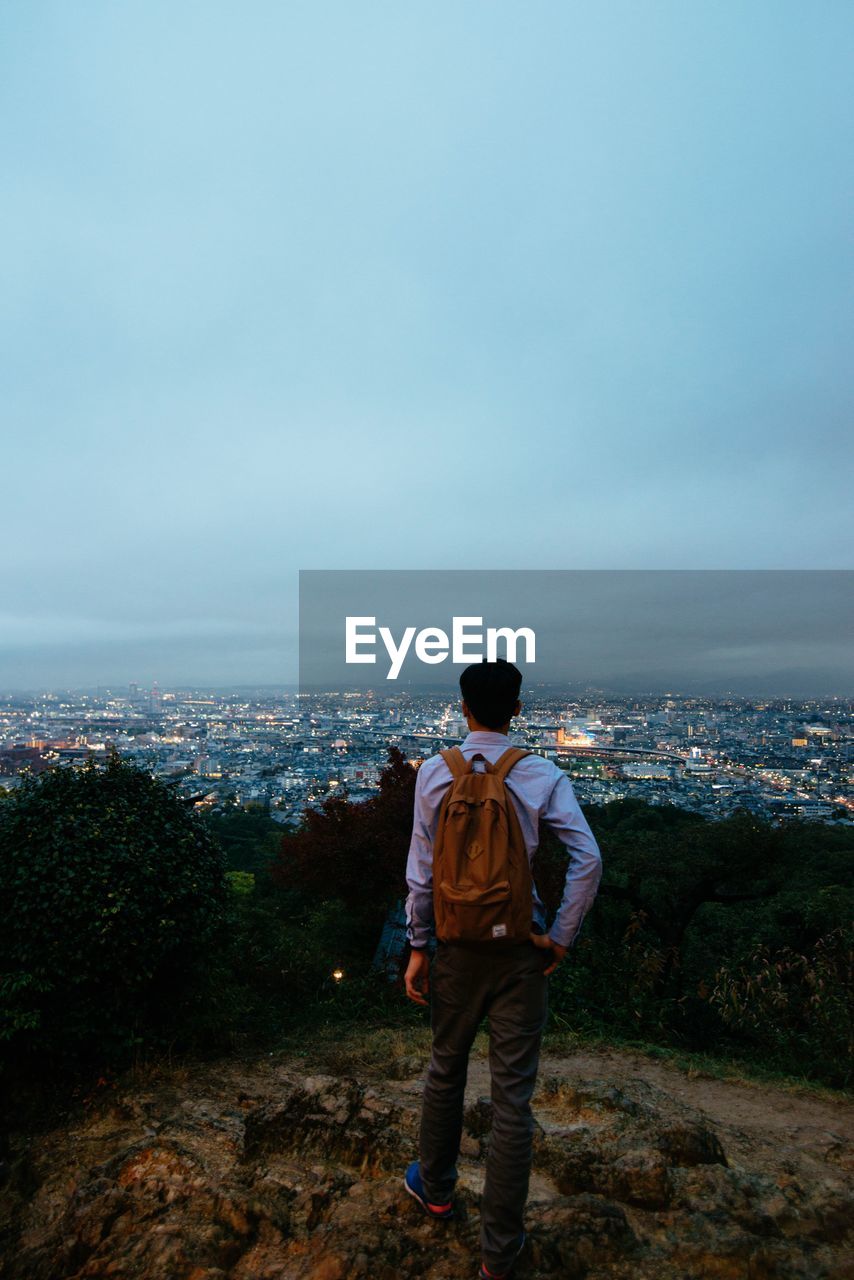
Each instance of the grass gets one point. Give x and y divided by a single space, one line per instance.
380 1050
389 1051
726 1066
391 1041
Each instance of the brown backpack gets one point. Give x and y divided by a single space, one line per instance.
482 886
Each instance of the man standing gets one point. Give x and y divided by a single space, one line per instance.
506 980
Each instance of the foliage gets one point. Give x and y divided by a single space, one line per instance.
241 881
355 851
799 1007
128 925
681 896
683 900
113 891
250 838
274 977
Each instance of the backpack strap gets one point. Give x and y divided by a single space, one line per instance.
505 762
456 761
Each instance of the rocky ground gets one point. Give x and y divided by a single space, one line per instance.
263 1171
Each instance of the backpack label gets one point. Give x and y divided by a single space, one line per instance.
499 931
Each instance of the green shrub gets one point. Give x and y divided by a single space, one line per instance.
798 1007
274 974
113 894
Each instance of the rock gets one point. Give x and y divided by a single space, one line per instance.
592 1099
256 1172
575 1231
341 1118
477 1118
640 1177
404 1067
690 1144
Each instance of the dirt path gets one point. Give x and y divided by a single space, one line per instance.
761 1106
760 1126
755 1118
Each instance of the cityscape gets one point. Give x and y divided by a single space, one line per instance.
282 751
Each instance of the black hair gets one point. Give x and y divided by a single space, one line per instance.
491 691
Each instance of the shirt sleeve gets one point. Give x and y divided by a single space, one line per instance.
563 816
419 871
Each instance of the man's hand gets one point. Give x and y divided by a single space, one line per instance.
417 977
544 941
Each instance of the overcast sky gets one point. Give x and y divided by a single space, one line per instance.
383 285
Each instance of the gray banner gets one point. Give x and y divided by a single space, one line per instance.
746 632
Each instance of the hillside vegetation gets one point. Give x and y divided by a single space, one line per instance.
133 927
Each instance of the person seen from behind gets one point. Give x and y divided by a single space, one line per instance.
494 954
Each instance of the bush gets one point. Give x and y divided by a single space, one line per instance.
113 893
355 850
275 977
798 1007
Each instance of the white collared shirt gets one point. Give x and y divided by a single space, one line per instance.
540 793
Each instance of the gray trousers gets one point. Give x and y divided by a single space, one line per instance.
467 982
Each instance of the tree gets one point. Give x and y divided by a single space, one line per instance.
355 851
113 890
667 872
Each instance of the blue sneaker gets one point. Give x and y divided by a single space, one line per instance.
484 1274
415 1187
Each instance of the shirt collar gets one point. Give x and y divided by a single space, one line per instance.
483 737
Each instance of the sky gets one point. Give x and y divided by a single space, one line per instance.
386 286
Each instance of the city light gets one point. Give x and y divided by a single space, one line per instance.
286 753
